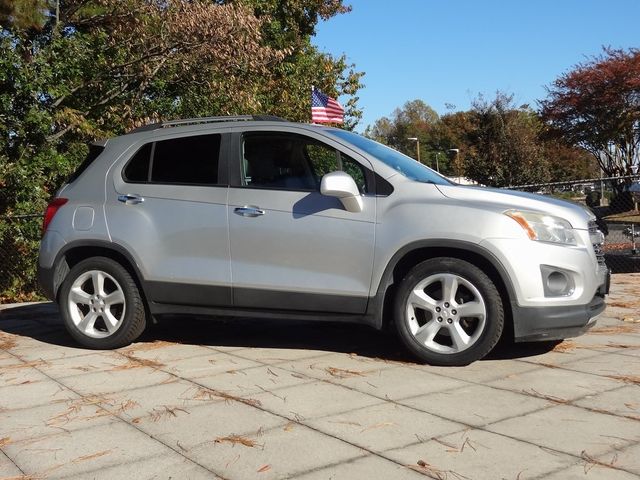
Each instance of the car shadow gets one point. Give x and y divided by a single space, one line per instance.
42 322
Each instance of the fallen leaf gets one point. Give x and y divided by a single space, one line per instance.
236 439
91 456
634 379
343 373
209 393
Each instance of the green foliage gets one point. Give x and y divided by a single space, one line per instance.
97 68
495 143
507 150
414 120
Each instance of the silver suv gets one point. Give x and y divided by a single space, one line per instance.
254 216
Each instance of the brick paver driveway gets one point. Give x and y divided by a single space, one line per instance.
243 399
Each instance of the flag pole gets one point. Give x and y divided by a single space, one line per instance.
312 88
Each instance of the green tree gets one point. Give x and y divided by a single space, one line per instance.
76 70
506 143
415 119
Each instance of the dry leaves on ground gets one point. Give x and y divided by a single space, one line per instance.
209 394
7 341
104 406
236 440
633 379
615 329
343 373
142 347
165 411
565 346
136 362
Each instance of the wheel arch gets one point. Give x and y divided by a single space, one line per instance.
381 306
80 250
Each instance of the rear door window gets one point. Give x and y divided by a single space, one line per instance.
184 161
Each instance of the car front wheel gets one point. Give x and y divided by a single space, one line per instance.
448 312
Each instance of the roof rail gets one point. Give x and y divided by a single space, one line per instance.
201 120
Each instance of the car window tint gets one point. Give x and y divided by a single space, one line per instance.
187 160
276 161
325 159
293 162
137 170
93 153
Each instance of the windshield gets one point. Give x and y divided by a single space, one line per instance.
407 166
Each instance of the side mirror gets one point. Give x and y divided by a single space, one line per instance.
341 185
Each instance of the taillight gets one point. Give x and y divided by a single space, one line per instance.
52 209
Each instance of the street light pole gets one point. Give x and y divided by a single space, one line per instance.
456 161
417 140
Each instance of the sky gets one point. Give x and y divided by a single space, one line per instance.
449 51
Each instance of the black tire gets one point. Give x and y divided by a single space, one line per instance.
472 282
130 313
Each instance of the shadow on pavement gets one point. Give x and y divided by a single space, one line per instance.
43 323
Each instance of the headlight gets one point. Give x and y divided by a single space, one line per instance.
544 228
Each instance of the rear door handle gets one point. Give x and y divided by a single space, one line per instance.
248 211
131 199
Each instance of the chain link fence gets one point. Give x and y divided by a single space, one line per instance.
19 242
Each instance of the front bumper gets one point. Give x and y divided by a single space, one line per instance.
557 323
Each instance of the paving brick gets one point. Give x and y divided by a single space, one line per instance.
590 472
33 394
611 365
367 467
7 468
627 459
571 430
117 380
90 449
476 405
556 382
186 428
624 401
483 371
25 424
384 426
281 452
251 381
202 366
16 372
479 454
313 400
169 465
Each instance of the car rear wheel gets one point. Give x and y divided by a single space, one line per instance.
448 312
101 305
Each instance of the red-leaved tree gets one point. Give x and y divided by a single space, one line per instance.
597 106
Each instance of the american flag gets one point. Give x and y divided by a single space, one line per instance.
325 109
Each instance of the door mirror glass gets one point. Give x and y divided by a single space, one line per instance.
341 185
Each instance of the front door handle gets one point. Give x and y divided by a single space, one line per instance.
131 199
248 211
